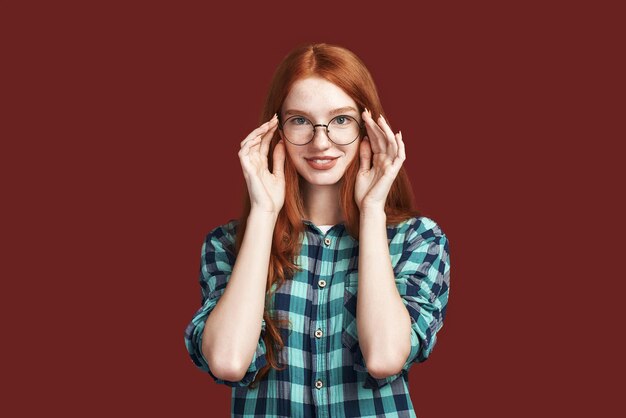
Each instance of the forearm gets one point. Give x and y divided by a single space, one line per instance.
232 330
383 322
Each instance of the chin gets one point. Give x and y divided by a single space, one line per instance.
323 183
322 179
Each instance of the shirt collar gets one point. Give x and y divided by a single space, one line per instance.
337 227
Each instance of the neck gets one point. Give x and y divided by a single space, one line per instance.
321 204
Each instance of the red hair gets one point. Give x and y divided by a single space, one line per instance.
344 69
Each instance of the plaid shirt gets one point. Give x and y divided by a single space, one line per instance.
326 375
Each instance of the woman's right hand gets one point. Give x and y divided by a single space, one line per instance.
266 189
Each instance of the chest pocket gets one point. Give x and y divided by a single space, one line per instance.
349 336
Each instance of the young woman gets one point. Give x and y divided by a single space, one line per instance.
318 300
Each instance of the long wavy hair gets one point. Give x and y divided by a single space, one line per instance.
344 69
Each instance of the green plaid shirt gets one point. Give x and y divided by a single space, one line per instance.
326 375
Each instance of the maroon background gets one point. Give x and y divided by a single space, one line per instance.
120 130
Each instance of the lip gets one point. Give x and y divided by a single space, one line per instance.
322 157
323 166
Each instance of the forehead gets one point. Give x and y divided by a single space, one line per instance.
317 96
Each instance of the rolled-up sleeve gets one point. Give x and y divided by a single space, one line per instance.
217 261
422 276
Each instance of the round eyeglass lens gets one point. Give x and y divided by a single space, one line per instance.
342 129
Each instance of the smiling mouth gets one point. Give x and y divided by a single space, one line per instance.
322 163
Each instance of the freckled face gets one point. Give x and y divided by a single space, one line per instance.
319 101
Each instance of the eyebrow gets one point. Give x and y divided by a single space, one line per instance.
334 112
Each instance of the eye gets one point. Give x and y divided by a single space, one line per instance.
342 120
298 120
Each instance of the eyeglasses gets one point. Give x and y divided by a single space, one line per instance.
342 130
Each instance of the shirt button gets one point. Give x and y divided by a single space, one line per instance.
319 333
319 384
327 241
322 283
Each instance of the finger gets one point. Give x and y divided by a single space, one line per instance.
401 151
375 134
249 145
278 160
365 154
392 146
259 131
267 137
256 133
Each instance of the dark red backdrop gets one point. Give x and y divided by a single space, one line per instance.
122 124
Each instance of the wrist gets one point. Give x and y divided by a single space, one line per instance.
373 212
262 215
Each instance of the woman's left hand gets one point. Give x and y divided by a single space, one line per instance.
381 156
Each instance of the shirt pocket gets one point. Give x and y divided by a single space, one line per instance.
349 335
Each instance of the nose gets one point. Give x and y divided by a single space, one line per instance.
325 140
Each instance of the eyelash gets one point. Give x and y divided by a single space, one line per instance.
305 118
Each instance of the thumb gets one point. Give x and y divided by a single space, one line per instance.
365 153
278 166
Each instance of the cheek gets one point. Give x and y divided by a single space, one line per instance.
354 152
290 151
